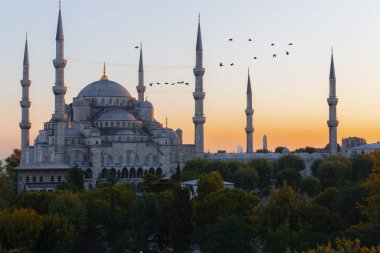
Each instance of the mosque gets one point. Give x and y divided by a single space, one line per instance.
107 132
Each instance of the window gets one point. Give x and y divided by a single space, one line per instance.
52 179
34 179
27 179
41 179
59 179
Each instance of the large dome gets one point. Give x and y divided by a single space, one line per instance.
104 88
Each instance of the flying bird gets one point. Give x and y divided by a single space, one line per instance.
187 83
249 39
158 83
166 83
173 83
221 64
136 47
232 64
151 84
255 58
230 40
274 55
272 44
290 44
287 52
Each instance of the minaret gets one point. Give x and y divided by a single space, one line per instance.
249 113
332 102
199 95
25 103
265 142
59 90
141 87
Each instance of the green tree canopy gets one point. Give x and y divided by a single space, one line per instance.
290 161
333 173
291 176
209 183
264 170
311 186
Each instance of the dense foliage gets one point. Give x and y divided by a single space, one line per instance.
271 209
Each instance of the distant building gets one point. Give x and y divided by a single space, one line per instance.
352 142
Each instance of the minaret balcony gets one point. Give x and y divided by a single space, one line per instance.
59 90
25 83
25 103
25 125
249 112
140 88
332 123
199 95
249 130
199 71
59 63
332 101
199 119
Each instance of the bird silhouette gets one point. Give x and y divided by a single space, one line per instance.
249 39
287 52
158 83
151 84
274 55
173 83
221 64
232 64
255 58
230 40
136 47
290 44
187 83
272 44
166 83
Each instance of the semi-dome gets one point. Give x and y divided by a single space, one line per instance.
116 114
104 88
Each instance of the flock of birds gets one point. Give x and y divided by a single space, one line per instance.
255 57
274 55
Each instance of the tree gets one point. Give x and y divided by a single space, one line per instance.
361 167
333 173
38 201
262 151
279 149
57 235
12 162
229 235
311 186
264 170
182 225
146 219
246 178
74 180
291 176
223 203
290 161
315 165
7 193
156 184
208 183
20 228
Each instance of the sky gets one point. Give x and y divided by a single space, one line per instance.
289 92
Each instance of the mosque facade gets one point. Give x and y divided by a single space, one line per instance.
105 131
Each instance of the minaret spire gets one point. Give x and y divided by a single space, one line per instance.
249 112
59 90
199 96
332 101
141 87
25 103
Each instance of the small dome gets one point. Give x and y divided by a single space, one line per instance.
117 114
104 88
146 104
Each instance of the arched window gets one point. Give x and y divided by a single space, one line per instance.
151 171
140 173
104 173
132 173
112 173
159 171
124 173
118 174
88 174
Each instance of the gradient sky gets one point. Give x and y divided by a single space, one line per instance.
289 92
